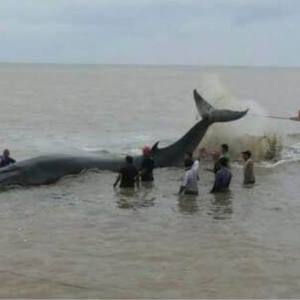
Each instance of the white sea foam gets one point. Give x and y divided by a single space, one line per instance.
249 133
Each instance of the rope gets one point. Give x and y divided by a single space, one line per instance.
275 117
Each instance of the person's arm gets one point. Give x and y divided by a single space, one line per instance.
195 166
184 184
147 166
143 172
250 165
215 168
181 189
11 160
143 168
229 181
117 179
151 165
137 180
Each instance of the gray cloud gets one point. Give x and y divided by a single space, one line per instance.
92 12
151 31
263 11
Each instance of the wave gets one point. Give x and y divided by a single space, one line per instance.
105 152
249 133
96 150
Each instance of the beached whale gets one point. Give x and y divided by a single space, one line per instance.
50 168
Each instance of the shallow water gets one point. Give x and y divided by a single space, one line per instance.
80 238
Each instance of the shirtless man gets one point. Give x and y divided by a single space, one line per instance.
249 177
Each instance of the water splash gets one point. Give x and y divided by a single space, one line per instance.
249 133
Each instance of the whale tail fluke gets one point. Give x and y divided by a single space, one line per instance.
216 115
203 107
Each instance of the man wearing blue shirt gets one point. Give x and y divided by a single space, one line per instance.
223 177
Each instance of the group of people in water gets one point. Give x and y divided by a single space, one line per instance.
221 169
129 175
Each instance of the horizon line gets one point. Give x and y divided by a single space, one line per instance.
144 65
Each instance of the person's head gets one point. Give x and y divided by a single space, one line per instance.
224 148
6 153
129 159
188 163
146 151
188 154
223 162
246 154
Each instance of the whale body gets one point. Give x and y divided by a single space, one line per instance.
49 169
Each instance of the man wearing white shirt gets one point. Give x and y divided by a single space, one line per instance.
189 157
189 185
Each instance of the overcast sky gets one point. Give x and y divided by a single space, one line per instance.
185 32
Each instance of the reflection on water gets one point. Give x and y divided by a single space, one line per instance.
221 206
148 185
249 186
188 204
132 199
87 251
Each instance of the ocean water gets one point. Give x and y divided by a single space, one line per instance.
80 238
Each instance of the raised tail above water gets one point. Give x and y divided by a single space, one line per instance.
207 111
173 154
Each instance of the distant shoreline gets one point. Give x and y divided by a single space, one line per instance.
177 66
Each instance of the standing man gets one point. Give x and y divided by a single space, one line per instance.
189 184
147 166
223 177
249 177
188 157
128 175
6 159
216 156
225 152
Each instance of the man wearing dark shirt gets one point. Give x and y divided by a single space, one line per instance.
223 177
6 159
128 175
147 166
